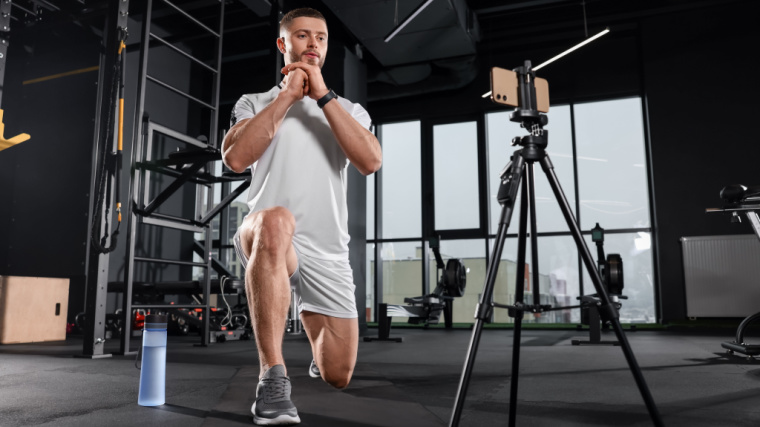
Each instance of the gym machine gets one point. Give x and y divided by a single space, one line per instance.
738 200
611 270
426 309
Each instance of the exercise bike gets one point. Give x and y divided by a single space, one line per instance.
738 200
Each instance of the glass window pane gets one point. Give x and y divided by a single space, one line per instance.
401 175
558 279
612 164
635 249
500 131
402 273
455 160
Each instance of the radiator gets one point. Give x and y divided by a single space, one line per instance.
722 275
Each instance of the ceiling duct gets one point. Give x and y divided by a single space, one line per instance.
434 51
443 29
440 75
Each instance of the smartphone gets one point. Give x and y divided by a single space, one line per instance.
504 89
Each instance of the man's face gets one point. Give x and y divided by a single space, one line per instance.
304 41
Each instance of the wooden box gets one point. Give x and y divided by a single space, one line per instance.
33 309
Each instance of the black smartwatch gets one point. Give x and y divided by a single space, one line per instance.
327 98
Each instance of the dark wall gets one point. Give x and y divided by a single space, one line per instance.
45 181
702 94
694 70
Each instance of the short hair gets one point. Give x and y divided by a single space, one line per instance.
303 12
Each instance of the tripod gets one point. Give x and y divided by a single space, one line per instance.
519 167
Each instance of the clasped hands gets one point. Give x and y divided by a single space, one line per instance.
302 79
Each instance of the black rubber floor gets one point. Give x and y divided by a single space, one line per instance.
413 383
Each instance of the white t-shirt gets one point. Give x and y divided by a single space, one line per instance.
304 170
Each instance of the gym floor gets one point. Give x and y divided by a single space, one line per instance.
413 383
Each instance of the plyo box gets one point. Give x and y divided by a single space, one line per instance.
33 309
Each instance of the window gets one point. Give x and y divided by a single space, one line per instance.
401 194
611 164
455 163
597 150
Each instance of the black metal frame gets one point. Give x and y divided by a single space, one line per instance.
142 209
750 209
96 288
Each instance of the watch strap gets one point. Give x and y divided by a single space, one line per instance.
327 98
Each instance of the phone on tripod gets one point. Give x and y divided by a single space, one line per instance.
505 89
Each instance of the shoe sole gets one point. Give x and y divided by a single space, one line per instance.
312 374
280 420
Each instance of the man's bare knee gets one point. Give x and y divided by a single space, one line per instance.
273 229
338 378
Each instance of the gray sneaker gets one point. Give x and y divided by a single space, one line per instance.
314 370
273 405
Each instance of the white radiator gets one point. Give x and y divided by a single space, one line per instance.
722 275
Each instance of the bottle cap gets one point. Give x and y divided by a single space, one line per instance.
156 321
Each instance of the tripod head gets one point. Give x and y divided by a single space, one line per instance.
520 88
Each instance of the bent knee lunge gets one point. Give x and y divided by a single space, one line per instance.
272 228
337 374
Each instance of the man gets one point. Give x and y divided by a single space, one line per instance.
298 139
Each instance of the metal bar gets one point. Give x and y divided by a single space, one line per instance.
736 209
172 188
650 175
165 306
215 91
183 53
23 9
155 127
47 5
224 226
174 173
576 186
378 255
5 27
191 18
198 178
171 261
533 237
137 138
526 210
184 221
171 224
208 236
588 261
96 287
179 92
224 203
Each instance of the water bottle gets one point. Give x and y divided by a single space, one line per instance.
153 371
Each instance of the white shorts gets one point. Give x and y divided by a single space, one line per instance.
321 286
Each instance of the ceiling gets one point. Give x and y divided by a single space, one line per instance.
439 48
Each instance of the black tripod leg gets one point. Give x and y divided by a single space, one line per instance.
508 192
607 309
531 177
519 294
